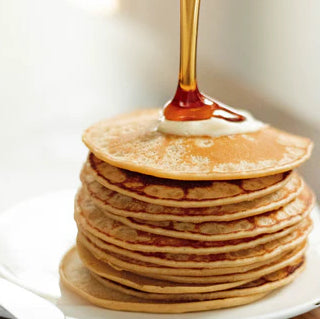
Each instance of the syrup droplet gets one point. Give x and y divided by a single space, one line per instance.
189 104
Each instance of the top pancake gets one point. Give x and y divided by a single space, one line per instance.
132 142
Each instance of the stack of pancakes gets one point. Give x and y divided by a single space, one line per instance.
176 224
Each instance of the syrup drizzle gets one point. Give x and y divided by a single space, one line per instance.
189 104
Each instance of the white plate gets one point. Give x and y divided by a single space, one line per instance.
35 234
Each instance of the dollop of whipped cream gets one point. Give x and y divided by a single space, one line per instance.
214 126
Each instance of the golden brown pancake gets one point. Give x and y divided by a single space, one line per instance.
269 222
132 142
147 262
155 243
173 284
263 284
167 192
162 296
78 278
160 272
231 236
148 284
273 265
75 276
95 222
126 206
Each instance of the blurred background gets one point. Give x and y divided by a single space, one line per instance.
65 64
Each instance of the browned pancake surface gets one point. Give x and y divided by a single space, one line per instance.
269 222
265 283
174 284
127 233
77 278
103 250
123 205
181 193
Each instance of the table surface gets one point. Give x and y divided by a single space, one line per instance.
315 314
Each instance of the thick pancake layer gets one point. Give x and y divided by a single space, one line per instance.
158 296
114 254
264 284
95 222
146 284
273 265
152 270
172 284
156 243
182 193
98 223
132 142
269 222
126 206
77 278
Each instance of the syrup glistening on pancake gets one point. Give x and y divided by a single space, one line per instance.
195 207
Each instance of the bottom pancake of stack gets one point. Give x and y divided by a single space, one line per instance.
112 295
157 266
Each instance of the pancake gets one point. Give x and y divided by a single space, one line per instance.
155 271
141 261
91 219
132 142
146 284
159 272
264 284
126 206
273 265
159 296
174 193
95 222
269 222
77 278
171 284
155 243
